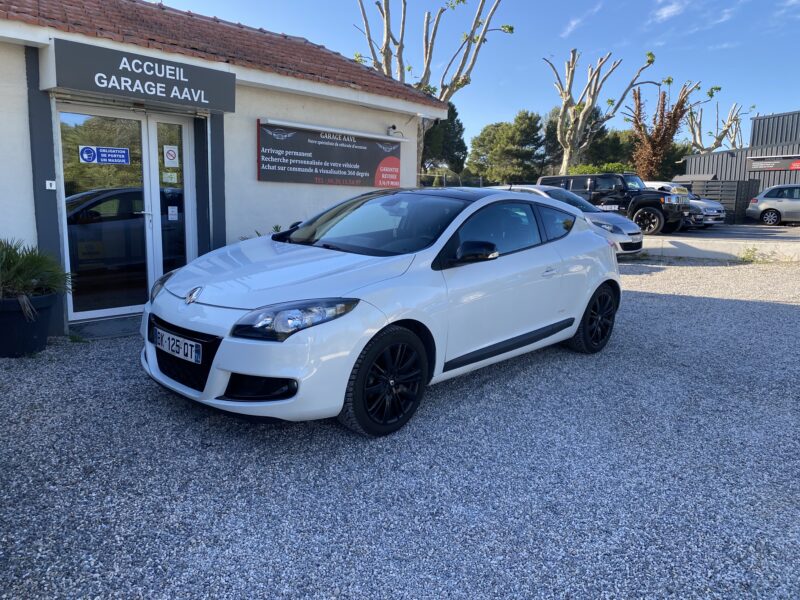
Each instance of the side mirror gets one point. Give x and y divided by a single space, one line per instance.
618 187
469 252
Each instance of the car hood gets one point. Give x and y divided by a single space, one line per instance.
706 203
261 271
611 218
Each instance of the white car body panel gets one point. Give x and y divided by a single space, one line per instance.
465 308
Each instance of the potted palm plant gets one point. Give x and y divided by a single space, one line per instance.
30 281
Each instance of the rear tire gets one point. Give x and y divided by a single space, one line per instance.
770 217
597 322
650 220
387 383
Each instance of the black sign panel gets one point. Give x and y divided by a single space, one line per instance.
99 70
782 163
292 155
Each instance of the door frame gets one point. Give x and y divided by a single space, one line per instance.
150 188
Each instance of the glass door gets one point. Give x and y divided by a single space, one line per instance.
128 206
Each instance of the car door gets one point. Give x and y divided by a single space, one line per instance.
791 203
494 304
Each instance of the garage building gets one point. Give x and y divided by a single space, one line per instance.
136 137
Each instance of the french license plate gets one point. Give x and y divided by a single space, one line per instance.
609 207
178 346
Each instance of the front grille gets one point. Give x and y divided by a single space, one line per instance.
631 246
189 374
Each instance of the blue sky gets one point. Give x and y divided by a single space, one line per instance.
748 47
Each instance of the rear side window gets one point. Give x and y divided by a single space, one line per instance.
556 222
776 193
554 181
604 184
580 184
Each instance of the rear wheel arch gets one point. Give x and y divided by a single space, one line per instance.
614 285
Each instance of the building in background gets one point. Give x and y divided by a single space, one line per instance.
773 156
136 137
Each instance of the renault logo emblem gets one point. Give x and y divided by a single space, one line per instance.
193 295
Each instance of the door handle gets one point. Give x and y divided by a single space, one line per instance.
142 212
549 272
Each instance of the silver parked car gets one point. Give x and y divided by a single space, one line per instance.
623 232
776 205
703 212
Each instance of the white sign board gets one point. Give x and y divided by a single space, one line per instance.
171 158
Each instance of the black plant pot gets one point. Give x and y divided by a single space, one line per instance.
19 336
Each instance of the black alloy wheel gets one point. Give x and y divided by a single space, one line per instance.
649 219
393 384
387 383
597 323
601 317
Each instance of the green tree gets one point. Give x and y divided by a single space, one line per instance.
509 152
444 143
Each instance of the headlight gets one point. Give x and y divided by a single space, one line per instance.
159 284
279 321
608 227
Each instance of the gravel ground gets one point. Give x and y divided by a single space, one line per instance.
667 466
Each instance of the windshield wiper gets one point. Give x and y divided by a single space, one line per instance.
331 247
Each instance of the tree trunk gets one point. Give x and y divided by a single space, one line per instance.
566 160
423 125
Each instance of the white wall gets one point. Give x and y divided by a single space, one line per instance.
258 205
17 217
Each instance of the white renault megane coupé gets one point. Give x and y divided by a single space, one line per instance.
355 311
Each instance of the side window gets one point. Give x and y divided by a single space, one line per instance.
793 193
113 208
509 225
556 223
581 184
604 184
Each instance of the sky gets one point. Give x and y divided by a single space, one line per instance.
747 47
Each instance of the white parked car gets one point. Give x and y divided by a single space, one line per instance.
355 311
619 229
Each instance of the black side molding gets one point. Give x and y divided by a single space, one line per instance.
526 339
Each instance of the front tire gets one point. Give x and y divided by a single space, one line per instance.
597 322
387 383
770 217
650 220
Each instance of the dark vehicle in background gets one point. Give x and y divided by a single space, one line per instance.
653 211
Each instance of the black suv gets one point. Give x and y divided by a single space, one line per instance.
653 211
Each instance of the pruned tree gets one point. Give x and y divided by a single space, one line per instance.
388 57
578 122
728 129
653 141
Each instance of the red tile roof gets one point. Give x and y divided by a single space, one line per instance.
167 29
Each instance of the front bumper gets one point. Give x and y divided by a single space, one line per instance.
319 359
697 219
675 212
629 243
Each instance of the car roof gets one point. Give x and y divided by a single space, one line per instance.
466 194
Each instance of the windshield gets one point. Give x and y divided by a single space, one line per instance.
379 225
572 199
634 182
